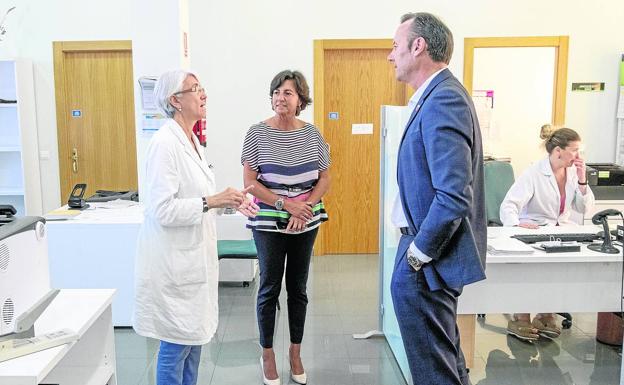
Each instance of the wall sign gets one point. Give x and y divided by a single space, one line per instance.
588 86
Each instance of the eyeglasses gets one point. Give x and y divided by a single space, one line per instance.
195 88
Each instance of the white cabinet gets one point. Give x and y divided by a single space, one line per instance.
20 181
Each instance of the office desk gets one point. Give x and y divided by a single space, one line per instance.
98 248
89 360
585 281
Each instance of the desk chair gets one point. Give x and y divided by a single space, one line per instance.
498 179
238 249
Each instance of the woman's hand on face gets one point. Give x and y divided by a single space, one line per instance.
301 210
579 163
528 225
295 224
248 208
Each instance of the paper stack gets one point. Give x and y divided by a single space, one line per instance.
504 245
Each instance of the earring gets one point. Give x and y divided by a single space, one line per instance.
180 109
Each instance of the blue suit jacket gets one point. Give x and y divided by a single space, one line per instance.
440 177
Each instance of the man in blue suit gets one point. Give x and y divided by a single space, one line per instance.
440 207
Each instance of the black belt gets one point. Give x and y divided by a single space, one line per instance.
406 231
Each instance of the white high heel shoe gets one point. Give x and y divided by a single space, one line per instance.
301 379
265 380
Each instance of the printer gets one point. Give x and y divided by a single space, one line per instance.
606 180
24 273
25 291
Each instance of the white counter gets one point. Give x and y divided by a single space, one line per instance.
97 250
90 360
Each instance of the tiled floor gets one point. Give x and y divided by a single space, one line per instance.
343 292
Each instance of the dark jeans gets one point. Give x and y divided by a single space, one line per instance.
273 249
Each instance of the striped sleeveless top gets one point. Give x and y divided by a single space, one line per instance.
288 164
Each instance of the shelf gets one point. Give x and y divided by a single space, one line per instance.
4 191
10 149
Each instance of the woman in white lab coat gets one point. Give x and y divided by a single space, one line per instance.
177 264
545 194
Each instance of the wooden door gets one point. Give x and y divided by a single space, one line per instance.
353 79
95 116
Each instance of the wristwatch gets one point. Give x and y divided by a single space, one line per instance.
413 261
279 203
205 205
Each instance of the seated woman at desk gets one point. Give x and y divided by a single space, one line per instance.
545 194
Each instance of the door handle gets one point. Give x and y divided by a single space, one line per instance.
74 158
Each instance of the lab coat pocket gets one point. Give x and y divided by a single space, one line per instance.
189 267
185 237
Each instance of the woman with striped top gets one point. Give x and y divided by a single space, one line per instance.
287 160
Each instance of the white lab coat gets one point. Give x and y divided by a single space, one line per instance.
177 263
534 197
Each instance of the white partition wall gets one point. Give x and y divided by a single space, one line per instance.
393 121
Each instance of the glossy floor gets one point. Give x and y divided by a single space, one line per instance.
343 293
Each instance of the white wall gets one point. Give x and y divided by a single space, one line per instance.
236 47
239 46
35 24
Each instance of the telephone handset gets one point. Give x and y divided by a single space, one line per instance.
76 200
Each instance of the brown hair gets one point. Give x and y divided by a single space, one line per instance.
557 137
301 86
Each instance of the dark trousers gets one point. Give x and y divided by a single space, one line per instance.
275 250
428 323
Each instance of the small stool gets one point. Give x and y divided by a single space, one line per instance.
237 249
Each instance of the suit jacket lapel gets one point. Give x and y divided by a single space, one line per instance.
445 74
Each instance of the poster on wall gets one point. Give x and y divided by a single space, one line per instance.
151 118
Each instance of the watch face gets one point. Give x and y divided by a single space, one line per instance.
413 261
279 204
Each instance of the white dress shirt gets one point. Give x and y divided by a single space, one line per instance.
398 215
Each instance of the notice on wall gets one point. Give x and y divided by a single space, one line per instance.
362 129
484 105
152 122
148 103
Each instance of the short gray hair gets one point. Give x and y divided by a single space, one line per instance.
167 85
438 36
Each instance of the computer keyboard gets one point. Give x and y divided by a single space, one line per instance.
578 237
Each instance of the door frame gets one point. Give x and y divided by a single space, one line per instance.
59 48
320 47
560 43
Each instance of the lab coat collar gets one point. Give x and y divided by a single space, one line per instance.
178 132
547 170
545 167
